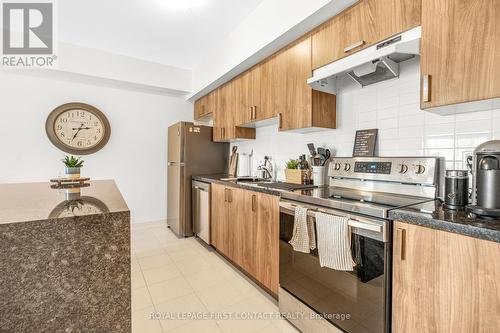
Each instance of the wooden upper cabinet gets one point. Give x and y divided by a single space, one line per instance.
218 117
363 25
200 107
273 76
249 106
297 113
305 108
460 51
226 115
444 282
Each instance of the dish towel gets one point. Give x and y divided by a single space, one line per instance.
303 239
334 245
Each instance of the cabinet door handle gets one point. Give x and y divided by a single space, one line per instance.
251 112
254 203
426 88
225 195
255 112
401 234
353 46
230 196
280 121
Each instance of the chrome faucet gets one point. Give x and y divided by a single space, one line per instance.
267 167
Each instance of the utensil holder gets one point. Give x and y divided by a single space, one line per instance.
319 175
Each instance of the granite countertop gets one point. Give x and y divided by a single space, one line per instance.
25 202
434 215
218 179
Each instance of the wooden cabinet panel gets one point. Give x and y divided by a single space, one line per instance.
245 229
219 117
246 221
218 214
200 107
273 73
267 241
362 25
444 282
327 43
249 108
460 50
297 113
305 108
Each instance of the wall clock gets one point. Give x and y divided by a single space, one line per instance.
78 128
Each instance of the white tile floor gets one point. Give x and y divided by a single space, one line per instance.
173 276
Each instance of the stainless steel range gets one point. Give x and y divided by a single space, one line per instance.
315 298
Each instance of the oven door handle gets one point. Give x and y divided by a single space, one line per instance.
353 222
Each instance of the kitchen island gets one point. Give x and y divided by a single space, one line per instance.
64 258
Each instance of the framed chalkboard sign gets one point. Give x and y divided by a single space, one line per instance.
365 143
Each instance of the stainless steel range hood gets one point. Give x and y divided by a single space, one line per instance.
376 63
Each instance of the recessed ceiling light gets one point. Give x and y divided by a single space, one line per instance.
182 5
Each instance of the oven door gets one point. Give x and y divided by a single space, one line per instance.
354 301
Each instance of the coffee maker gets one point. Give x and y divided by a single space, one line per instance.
486 180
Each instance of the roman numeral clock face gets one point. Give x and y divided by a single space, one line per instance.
78 128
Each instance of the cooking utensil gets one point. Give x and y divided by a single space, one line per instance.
327 156
312 150
233 162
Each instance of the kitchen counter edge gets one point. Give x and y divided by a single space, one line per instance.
490 233
216 179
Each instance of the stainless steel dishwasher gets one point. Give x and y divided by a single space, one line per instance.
201 210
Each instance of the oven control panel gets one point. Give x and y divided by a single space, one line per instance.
373 167
414 170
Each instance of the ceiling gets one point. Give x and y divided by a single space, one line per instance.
172 32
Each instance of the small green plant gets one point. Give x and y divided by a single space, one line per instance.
72 162
292 164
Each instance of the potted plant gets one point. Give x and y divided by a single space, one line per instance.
292 172
73 166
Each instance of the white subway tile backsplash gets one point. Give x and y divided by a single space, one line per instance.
387 113
393 107
433 119
471 140
439 129
478 115
410 132
473 126
387 123
441 141
417 119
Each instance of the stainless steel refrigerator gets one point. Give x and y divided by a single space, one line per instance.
191 151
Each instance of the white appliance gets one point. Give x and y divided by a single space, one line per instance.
374 64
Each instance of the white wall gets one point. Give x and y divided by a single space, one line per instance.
392 107
135 155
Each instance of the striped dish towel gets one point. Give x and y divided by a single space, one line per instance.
334 245
303 239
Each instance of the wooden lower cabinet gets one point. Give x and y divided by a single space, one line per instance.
245 229
444 282
267 241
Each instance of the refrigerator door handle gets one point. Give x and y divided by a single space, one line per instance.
175 163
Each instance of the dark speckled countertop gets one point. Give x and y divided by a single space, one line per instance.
217 179
434 215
